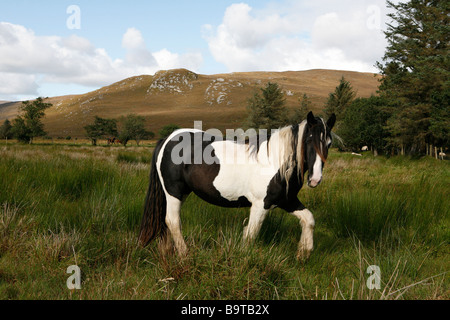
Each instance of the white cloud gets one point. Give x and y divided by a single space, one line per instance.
32 60
190 60
12 84
350 35
299 35
251 32
137 52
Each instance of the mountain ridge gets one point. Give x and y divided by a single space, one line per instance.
181 96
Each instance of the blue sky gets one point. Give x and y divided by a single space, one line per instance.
41 56
175 25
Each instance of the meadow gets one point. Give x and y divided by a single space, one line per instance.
74 204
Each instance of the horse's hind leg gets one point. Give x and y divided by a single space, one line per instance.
173 222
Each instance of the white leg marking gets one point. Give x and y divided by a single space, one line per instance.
255 221
174 223
306 243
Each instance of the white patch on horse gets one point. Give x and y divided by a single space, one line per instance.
255 173
306 243
317 173
236 164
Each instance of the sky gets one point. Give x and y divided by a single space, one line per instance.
58 47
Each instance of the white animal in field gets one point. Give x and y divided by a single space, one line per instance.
365 148
442 155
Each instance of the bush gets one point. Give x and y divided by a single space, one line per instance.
167 130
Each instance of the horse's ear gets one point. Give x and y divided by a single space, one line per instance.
331 121
311 119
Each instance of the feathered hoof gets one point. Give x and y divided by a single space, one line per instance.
303 255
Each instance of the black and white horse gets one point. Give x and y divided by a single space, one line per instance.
261 176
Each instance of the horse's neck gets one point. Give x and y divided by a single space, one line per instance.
285 150
278 149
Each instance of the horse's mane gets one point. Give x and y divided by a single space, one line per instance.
286 148
254 144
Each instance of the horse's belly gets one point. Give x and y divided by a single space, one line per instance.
236 181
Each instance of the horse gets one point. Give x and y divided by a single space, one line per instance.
271 175
111 140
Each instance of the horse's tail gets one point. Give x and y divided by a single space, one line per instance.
153 222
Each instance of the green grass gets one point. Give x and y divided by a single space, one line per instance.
66 205
134 157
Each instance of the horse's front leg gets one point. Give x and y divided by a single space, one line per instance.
306 244
255 221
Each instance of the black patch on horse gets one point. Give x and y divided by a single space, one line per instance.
198 178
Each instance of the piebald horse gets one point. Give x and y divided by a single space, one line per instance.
263 176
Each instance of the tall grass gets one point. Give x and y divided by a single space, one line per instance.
61 206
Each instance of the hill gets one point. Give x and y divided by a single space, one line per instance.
180 96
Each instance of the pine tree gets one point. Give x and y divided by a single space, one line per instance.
300 113
415 72
340 99
268 109
364 124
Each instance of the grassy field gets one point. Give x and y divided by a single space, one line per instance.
69 204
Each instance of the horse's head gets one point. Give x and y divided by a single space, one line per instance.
318 139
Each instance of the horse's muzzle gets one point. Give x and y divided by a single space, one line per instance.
314 183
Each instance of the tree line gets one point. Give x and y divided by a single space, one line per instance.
28 125
410 113
132 127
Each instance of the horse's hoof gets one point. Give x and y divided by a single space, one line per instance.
303 255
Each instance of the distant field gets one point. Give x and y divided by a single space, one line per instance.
69 203
78 142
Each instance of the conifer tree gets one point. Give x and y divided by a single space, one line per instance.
416 74
267 109
340 99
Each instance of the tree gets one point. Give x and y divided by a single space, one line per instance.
268 109
415 72
440 118
301 112
364 124
340 99
101 128
28 125
5 130
134 129
20 131
167 130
